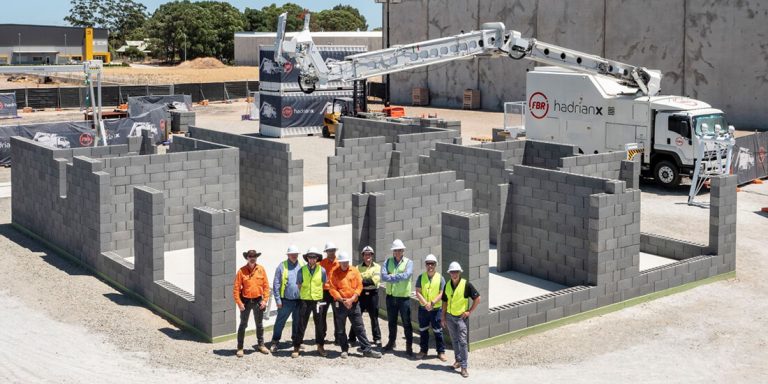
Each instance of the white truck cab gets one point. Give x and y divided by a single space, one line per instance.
597 114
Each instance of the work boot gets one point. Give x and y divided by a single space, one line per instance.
421 355
344 355
409 350
390 346
263 349
373 354
464 372
456 365
295 353
239 353
274 347
442 357
321 351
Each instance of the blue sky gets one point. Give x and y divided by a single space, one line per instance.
52 12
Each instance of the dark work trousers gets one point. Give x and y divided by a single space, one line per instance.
401 306
328 299
310 307
356 318
258 315
369 303
430 319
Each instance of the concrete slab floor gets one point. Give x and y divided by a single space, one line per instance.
648 261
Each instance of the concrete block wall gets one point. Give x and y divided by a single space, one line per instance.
606 165
271 181
194 173
481 168
568 228
69 202
465 240
355 161
670 248
544 154
407 208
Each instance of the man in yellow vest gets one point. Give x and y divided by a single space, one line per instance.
429 292
370 271
396 273
310 281
456 314
286 295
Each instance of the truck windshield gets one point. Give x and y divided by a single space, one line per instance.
711 121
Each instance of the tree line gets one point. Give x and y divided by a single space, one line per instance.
201 28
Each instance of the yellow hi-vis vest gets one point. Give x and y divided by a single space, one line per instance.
457 303
401 288
311 286
430 289
284 276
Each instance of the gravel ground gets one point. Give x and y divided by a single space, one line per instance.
713 333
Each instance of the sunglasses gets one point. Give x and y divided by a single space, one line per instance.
431 263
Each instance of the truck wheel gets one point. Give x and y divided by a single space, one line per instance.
325 132
666 174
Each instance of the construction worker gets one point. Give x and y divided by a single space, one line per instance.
251 293
456 315
370 271
286 295
328 263
346 285
310 281
429 292
396 273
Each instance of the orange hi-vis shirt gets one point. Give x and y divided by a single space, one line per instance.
251 283
329 266
345 284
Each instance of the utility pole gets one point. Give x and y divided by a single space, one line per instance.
19 47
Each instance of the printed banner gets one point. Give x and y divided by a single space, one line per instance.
8 108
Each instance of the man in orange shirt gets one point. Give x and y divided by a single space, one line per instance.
328 263
251 293
346 285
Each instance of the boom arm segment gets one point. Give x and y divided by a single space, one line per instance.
492 40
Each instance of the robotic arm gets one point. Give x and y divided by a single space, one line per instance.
491 40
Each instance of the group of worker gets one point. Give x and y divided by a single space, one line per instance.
301 289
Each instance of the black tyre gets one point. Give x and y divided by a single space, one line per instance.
666 174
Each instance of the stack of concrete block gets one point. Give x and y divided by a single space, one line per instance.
271 181
215 265
465 240
355 161
411 208
148 238
182 120
482 169
722 221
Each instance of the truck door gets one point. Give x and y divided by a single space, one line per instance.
673 135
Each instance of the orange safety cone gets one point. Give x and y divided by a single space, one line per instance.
765 209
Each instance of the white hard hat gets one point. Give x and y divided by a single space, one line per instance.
292 250
431 258
343 257
367 248
455 267
397 244
315 252
329 245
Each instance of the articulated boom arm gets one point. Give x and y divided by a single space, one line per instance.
491 40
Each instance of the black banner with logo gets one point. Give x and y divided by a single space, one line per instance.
8 108
59 135
296 109
750 160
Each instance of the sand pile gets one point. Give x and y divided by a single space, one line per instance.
202 63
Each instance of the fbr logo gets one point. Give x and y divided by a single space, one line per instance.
538 104
287 67
2 106
287 112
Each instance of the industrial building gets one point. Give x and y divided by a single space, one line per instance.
47 44
247 43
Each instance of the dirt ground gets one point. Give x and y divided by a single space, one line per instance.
713 333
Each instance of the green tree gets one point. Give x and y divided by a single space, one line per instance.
265 19
337 20
354 11
121 17
225 20
134 53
